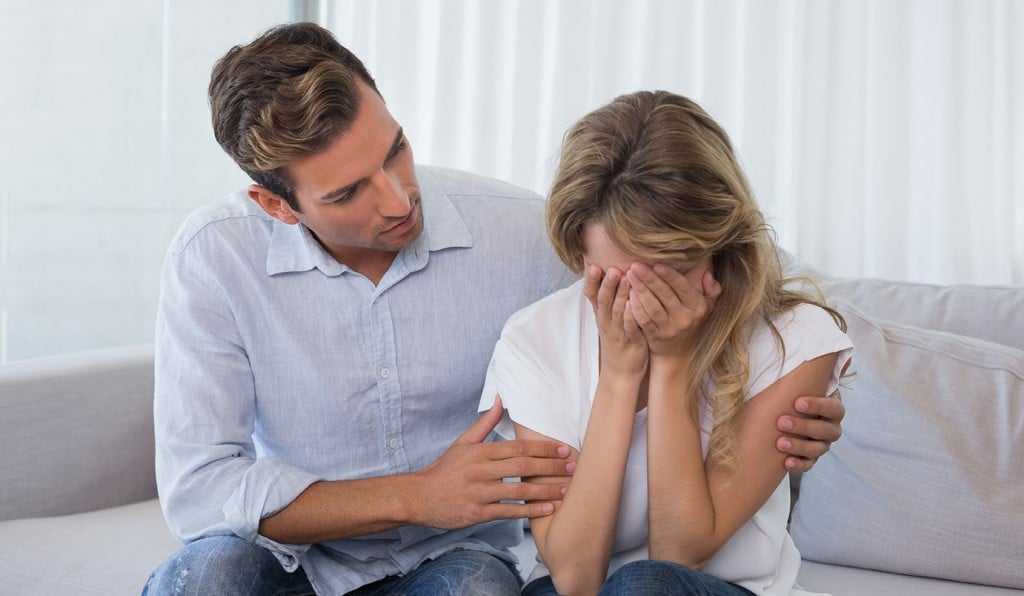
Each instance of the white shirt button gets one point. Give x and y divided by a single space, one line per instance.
393 443
385 372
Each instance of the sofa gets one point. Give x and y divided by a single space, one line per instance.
923 495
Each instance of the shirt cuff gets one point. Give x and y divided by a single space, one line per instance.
268 486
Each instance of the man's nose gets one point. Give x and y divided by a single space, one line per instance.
392 198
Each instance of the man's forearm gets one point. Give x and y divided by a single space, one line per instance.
334 510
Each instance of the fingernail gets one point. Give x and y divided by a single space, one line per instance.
786 423
785 444
547 508
564 490
570 467
564 451
802 405
790 463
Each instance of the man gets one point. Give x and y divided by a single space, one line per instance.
322 341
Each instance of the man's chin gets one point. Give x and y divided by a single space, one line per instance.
405 233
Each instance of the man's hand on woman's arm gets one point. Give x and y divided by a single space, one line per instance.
808 436
463 487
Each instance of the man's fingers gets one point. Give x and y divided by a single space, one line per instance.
528 491
796 464
530 467
801 448
518 510
525 448
810 428
830 408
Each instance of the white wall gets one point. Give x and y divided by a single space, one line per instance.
884 137
105 146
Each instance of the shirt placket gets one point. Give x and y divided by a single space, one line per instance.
388 385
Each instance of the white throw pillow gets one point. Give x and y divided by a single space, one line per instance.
928 478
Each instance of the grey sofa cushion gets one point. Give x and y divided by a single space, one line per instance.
111 551
991 313
850 581
76 432
927 477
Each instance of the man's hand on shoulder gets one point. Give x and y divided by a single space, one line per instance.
808 436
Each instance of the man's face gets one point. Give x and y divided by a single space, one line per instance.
360 197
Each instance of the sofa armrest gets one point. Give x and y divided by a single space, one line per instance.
76 432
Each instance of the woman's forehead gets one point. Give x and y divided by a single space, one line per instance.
600 250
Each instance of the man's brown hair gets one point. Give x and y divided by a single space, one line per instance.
286 95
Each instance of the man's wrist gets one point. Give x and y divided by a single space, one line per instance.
406 499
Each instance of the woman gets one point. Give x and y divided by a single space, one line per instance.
666 366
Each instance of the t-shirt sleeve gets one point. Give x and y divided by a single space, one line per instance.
808 332
532 391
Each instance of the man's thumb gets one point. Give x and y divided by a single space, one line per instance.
483 427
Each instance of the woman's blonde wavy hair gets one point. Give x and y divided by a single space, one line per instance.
660 175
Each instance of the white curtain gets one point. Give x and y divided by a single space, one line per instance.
882 137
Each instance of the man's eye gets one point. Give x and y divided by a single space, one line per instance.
345 197
397 149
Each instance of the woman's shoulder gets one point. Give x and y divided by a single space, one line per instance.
805 332
805 319
555 314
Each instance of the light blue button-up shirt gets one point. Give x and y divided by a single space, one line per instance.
277 366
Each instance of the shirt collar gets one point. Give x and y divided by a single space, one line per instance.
293 248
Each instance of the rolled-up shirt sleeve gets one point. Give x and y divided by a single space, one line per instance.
209 477
266 486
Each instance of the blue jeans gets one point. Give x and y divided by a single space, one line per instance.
651 578
454 573
229 566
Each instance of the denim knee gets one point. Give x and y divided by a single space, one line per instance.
464 572
224 565
657 577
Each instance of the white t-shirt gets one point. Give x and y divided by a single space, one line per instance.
545 367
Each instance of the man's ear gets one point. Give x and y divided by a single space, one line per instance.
274 205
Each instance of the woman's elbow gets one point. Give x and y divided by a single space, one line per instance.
576 582
693 558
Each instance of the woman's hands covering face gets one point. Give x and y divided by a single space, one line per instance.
669 307
623 347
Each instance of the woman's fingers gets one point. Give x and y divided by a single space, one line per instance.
592 276
608 290
621 296
687 293
608 293
669 300
630 322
